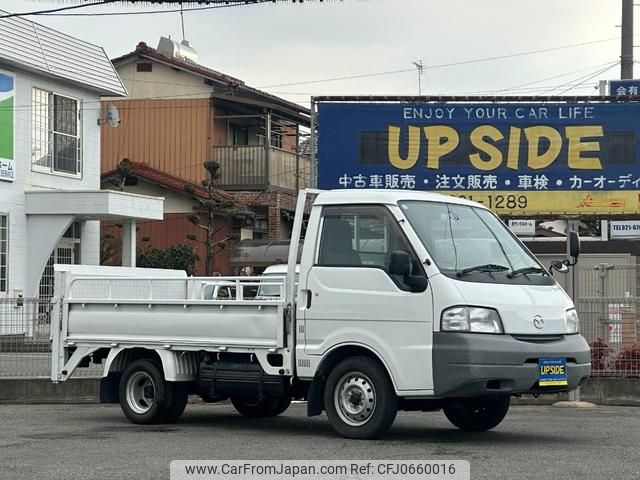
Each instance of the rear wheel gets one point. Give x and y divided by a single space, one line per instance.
478 414
359 399
145 396
261 406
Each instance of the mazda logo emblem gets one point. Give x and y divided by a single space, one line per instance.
538 322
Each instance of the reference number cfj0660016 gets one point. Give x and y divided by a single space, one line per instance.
420 468
320 469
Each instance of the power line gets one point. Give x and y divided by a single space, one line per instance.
475 92
535 82
581 80
591 77
205 94
508 89
52 12
58 9
443 65
525 87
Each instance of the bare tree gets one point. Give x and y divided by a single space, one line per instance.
213 207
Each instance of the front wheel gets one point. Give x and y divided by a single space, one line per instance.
359 399
478 414
260 406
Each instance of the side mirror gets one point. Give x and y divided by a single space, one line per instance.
400 263
417 283
574 245
559 266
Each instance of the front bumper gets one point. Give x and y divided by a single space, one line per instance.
470 364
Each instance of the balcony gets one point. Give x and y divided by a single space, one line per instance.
254 167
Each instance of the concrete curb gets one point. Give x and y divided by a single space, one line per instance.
43 390
610 391
573 405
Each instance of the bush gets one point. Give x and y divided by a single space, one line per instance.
600 353
176 257
628 361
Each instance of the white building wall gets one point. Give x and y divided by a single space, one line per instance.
174 202
162 82
12 197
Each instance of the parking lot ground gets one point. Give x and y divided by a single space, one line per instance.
96 442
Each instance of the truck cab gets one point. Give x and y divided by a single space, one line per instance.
438 293
272 285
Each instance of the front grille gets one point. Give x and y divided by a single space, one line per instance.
535 360
538 338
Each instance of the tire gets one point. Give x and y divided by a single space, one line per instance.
359 398
145 396
260 406
281 405
179 398
478 414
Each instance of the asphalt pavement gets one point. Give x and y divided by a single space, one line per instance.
96 442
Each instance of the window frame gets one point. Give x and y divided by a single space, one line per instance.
394 226
235 130
51 133
276 140
144 67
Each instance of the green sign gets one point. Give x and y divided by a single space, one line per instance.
7 98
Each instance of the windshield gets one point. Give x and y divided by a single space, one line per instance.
460 237
276 281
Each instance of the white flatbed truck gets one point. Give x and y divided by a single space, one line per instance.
405 301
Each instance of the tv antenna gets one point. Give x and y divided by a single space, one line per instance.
182 21
420 66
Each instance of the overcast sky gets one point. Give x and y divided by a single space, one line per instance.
271 44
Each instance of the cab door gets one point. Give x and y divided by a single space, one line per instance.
356 297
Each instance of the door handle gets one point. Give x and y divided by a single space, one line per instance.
308 299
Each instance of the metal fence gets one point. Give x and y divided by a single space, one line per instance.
25 345
609 307
246 166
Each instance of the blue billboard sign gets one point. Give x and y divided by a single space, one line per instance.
579 149
624 87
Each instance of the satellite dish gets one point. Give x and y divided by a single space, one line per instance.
113 116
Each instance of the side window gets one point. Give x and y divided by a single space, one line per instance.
361 236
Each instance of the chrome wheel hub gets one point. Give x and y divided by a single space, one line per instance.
140 392
355 398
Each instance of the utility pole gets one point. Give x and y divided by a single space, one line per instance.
420 66
626 55
572 287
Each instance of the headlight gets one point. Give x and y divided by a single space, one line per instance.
573 324
471 319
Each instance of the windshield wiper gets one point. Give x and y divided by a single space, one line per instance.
487 267
526 270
